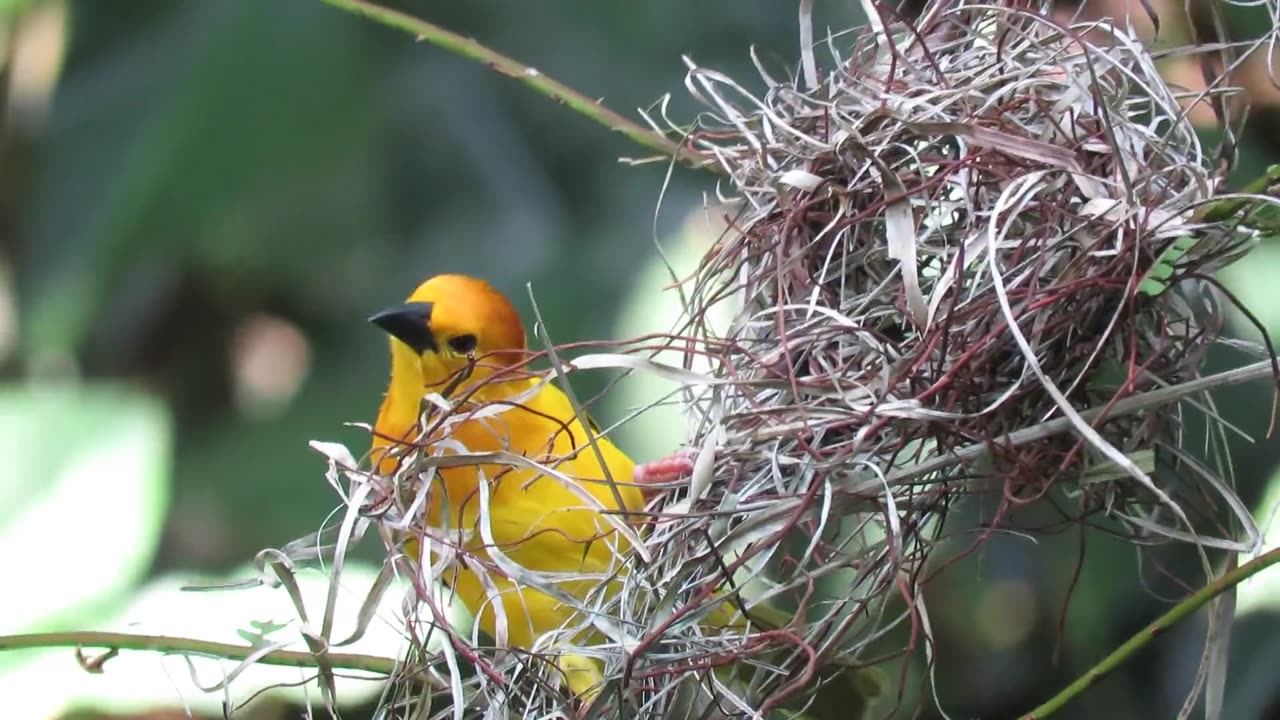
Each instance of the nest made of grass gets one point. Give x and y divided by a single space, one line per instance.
974 258
971 258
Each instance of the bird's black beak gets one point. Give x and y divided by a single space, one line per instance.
409 323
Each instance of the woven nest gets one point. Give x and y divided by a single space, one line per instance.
973 258
964 260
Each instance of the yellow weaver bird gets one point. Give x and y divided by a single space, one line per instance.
458 333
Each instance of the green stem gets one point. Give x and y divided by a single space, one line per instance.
530 77
1224 209
163 644
1180 611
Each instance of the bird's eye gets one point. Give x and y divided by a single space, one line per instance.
462 344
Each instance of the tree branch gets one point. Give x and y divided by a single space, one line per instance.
528 76
1180 611
164 644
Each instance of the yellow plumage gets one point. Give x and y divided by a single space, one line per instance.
452 324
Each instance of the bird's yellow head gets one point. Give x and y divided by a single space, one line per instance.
449 323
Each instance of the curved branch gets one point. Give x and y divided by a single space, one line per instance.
165 644
528 76
1180 611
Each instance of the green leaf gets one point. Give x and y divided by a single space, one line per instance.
82 500
10 8
1254 285
652 306
1154 282
1262 593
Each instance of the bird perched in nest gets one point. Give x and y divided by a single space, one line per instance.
459 337
458 333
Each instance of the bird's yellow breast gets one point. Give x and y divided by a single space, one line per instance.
538 521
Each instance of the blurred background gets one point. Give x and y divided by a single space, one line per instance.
201 203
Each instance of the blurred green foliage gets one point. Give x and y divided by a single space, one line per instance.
205 161
197 165
83 509
100 488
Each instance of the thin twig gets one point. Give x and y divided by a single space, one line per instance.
1158 626
529 76
191 646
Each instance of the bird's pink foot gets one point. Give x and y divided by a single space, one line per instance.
651 476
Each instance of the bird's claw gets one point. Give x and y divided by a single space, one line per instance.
650 476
